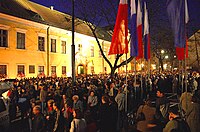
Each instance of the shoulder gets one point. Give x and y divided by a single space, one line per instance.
171 125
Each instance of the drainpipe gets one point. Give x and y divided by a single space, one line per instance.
48 51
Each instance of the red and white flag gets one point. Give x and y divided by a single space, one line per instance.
119 43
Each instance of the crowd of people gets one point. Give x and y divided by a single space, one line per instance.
98 103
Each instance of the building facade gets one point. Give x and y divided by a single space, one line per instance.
30 47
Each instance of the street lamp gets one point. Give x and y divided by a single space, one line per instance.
162 51
166 57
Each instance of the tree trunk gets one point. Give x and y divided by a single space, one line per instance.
112 71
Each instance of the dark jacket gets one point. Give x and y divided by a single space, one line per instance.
59 122
176 125
105 118
38 123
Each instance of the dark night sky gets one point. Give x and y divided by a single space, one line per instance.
157 11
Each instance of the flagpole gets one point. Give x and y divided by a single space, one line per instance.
182 74
179 74
126 105
186 78
141 81
135 77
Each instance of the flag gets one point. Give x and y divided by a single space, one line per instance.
133 30
146 35
139 31
178 15
119 43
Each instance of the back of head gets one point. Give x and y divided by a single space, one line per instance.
174 109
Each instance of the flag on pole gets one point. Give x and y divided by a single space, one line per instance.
119 43
139 31
146 35
134 39
178 15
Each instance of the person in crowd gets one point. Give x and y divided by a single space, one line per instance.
120 99
112 92
92 103
162 106
43 95
77 104
113 114
105 115
63 102
175 85
193 114
91 124
68 115
59 119
50 115
38 120
149 123
78 124
185 100
176 123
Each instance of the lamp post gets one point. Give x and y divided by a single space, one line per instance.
73 47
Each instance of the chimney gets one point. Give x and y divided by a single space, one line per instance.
51 7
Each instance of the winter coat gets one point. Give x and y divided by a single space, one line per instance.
193 117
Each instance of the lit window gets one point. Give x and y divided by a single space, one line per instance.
3 70
20 69
40 69
41 42
31 69
53 45
53 69
79 47
92 51
20 40
3 38
64 70
92 69
63 45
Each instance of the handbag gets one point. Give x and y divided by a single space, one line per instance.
140 116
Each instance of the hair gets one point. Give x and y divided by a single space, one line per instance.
105 98
174 109
56 104
79 114
75 97
148 102
37 107
51 101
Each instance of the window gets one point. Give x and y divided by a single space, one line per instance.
100 55
53 69
3 38
20 40
41 41
40 69
92 69
31 69
64 70
3 70
79 47
92 51
20 69
53 45
63 45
